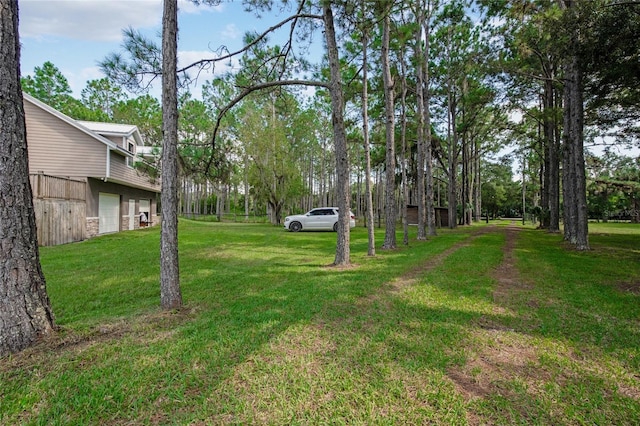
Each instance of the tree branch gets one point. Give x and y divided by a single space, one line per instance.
249 90
203 62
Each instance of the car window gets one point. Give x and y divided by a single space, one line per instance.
323 212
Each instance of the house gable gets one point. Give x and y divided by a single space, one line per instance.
61 146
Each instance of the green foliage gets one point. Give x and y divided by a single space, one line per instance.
47 84
611 52
277 136
613 188
102 96
196 147
501 196
145 112
144 64
50 86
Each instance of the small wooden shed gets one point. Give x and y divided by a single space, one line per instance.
442 216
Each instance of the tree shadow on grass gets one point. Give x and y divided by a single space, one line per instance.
290 339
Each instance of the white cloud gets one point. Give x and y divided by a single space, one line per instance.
231 31
185 6
96 20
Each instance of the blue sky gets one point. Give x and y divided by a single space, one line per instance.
76 34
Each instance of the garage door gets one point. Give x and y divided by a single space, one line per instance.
108 212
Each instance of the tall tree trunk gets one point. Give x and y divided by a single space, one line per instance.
547 142
543 176
403 138
464 176
170 294
524 187
428 153
371 251
551 170
471 182
390 201
340 140
452 141
452 164
323 174
245 181
379 197
568 189
475 190
478 185
554 170
25 311
575 191
420 126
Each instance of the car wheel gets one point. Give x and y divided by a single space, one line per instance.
295 226
335 227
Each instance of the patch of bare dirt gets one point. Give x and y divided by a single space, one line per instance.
505 359
341 267
629 287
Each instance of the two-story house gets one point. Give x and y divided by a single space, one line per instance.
84 176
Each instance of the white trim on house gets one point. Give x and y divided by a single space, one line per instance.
107 172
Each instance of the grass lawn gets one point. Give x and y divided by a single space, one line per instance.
497 324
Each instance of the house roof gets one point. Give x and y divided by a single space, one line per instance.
114 129
74 123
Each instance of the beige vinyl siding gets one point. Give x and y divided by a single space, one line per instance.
57 148
120 141
123 173
115 139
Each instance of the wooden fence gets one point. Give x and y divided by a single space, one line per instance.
61 209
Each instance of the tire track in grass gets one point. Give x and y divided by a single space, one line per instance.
310 362
506 274
503 355
512 376
411 277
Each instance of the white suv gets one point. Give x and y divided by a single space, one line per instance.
322 218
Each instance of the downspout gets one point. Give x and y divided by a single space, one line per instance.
107 173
